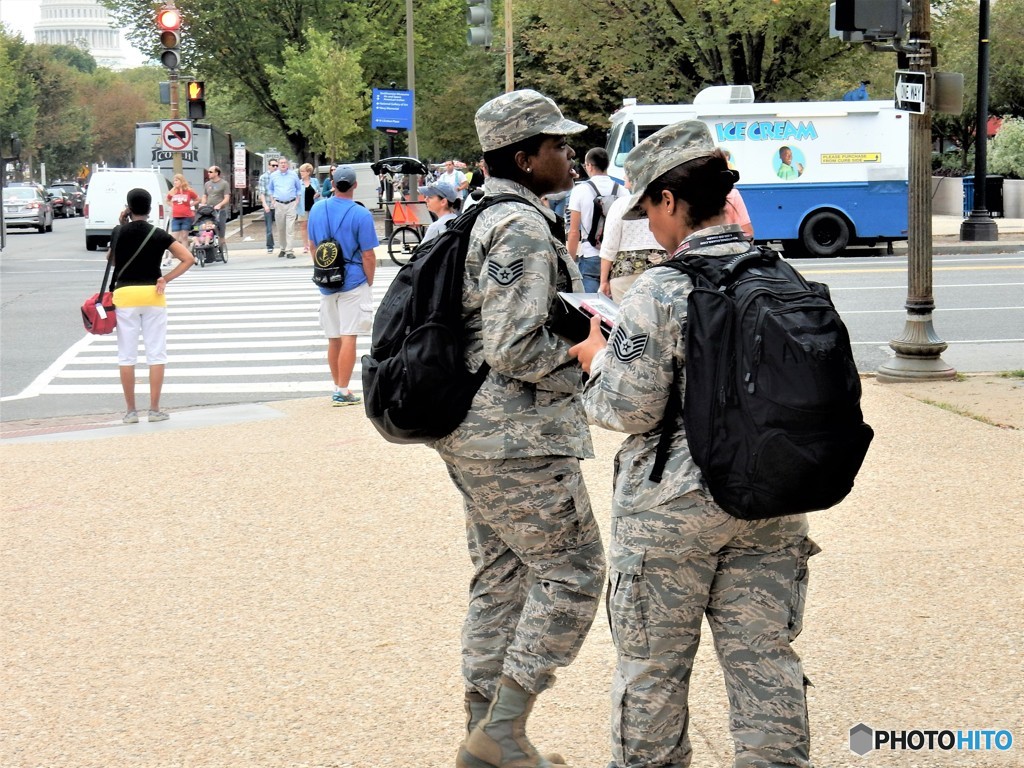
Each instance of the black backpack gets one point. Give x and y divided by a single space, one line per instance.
601 205
416 387
772 404
329 262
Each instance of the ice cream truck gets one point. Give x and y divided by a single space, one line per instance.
815 176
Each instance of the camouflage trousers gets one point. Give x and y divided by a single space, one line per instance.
538 568
668 568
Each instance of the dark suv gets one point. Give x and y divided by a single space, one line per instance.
75 192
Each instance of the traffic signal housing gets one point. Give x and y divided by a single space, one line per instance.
195 95
168 24
479 17
869 20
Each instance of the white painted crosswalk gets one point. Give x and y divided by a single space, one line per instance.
230 332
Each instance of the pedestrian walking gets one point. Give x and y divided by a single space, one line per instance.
442 201
589 203
535 548
347 311
182 199
310 194
285 189
217 193
265 202
676 556
137 249
628 249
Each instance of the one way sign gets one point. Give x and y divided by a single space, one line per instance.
176 135
911 93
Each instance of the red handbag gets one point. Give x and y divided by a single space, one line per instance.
98 314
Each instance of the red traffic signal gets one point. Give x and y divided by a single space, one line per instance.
168 19
168 22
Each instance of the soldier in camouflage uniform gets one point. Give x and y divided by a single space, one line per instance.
535 546
676 556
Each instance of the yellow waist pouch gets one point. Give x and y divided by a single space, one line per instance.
139 296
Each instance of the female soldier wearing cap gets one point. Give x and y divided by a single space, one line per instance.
676 556
536 549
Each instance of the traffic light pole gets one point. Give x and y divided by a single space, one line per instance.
175 114
919 349
979 225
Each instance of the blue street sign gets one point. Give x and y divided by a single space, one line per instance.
391 109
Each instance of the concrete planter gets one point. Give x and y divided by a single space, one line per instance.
1013 198
948 196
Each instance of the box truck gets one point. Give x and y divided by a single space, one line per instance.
210 146
815 176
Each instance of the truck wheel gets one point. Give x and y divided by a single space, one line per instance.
825 234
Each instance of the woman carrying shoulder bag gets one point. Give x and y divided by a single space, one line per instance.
137 248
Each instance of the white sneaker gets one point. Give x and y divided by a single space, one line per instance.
132 417
158 416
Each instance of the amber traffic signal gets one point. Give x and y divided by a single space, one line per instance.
195 95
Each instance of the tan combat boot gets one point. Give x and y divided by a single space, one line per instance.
499 740
477 706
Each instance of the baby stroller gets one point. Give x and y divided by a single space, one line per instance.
207 246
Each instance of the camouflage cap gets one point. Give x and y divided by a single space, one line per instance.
661 152
518 115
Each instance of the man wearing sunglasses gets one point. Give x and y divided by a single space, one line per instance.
268 209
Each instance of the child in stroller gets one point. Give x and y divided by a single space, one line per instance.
206 244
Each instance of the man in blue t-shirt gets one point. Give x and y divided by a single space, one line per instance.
346 311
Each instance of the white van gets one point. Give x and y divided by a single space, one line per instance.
366 184
107 196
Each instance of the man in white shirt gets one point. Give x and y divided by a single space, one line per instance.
581 216
454 177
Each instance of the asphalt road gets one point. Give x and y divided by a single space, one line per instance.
251 335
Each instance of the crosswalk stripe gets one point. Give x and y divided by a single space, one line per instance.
227 333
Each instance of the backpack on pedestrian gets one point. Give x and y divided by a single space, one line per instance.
772 401
602 204
416 386
329 262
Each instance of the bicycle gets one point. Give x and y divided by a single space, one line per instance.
408 231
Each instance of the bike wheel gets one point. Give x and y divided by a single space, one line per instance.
401 244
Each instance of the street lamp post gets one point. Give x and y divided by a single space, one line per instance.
979 226
918 351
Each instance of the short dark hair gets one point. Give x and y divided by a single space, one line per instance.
597 157
702 184
501 162
343 186
140 202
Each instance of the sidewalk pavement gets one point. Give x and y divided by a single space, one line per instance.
249 251
287 589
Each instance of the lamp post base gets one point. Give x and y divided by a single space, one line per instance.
979 227
918 354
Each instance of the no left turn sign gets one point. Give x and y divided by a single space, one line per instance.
176 135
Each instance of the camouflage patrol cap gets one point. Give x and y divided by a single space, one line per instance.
659 153
518 115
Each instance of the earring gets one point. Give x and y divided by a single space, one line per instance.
529 170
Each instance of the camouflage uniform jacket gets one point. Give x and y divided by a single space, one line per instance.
529 405
630 382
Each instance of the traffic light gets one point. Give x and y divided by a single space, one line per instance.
479 16
168 22
857 20
195 94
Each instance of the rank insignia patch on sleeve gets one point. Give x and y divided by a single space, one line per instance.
505 274
628 348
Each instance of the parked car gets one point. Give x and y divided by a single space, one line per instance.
27 206
74 189
62 203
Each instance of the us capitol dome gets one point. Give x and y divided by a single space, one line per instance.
85 24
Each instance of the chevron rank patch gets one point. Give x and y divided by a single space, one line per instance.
505 274
628 348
